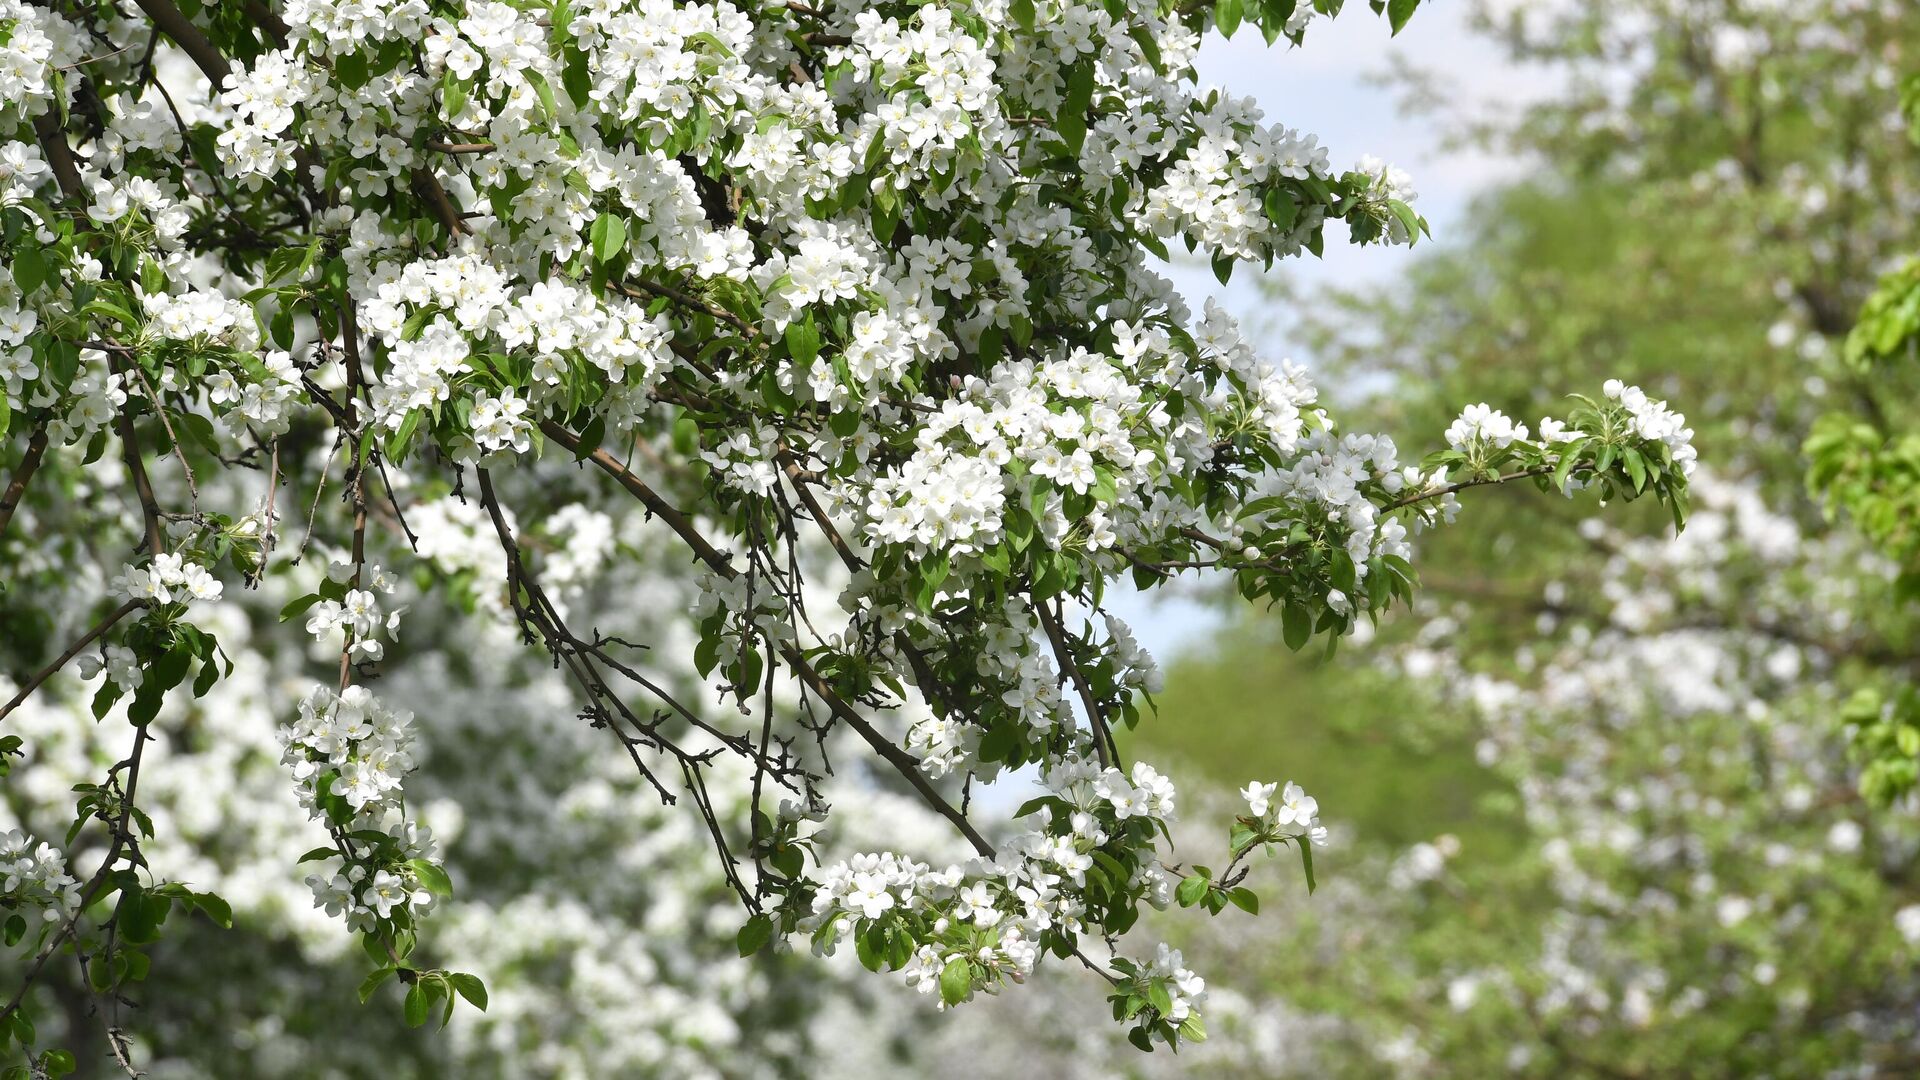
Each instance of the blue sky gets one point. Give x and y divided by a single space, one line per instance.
1330 87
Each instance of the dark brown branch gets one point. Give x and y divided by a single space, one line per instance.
177 26
678 522
635 286
72 651
142 485
29 464
538 613
429 187
357 474
179 451
53 143
1102 734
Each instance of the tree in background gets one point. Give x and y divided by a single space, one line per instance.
1865 462
1670 867
447 326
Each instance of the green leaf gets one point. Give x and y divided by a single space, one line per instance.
1033 806
609 236
418 1005
30 267
1158 997
1306 861
1072 121
591 437
868 946
373 982
140 916
1282 210
576 78
471 988
1244 899
1227 15
1636 468
351 70
214 907
1192 889
803 341
453 94
956 981
754 936
1296 625
544 92
1399 11
432 876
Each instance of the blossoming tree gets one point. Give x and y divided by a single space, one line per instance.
855 303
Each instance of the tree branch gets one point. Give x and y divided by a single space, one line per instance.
29 464
1442 492
1102 734
185 34
72 651
678 522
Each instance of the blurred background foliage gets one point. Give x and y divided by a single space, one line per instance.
1716 189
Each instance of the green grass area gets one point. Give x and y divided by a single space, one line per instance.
1242 707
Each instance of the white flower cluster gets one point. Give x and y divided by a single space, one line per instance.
121 666
1653 421
39 42
263 98
95 397
167 579
117 199
996 913
1481 423
349 754
471 307
1294 813
358 615
1187 990
263 401
205 317
1481 432
22 169
17 367
35 876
